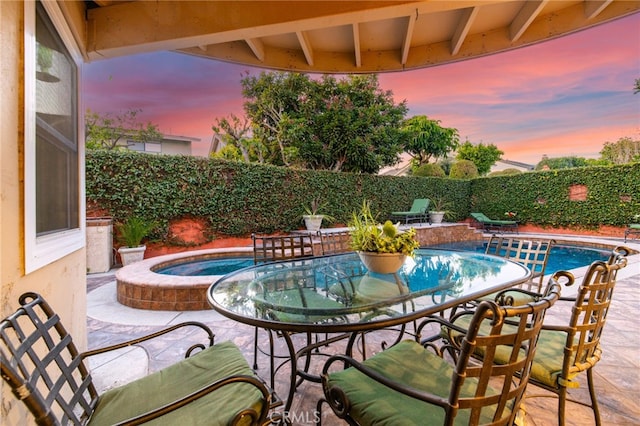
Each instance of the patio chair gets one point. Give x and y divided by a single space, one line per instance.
269 248
633 229
335 242
46 372
532 253
419 211
410 385
565 351
494 225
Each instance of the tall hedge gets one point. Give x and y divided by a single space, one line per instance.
238 198
587 196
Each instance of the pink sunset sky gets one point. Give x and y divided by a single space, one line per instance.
563 97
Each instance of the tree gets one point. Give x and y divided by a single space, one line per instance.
425 138
483 156
341 125
235 132
463 169
106 131
560 163
625 150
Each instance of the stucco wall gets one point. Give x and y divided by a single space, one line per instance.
62 283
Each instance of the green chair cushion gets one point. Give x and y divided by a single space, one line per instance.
411 364
162 387
635 226
519 298
283 304
547 362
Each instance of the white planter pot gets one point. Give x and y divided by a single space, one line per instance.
313 222
382 263
130 255
436 217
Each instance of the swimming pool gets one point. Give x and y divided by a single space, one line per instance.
563 257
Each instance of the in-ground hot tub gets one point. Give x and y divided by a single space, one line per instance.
140 286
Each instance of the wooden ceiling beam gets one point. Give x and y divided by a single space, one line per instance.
468 16
356 45
408 34
594 8
257 47
305 45
525 18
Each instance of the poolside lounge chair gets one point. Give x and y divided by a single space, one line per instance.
419 211
492 224
632 229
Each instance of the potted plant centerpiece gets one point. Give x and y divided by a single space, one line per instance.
438 210
313 218
382 248
130 234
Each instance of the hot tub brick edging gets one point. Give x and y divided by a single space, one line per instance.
138 286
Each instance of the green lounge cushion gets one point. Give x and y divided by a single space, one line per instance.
482 218
419 206
635 226
409 363
162 387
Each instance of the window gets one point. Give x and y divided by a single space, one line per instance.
54 185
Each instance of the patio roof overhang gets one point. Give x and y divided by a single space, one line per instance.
330 36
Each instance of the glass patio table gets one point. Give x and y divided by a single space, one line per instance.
337 294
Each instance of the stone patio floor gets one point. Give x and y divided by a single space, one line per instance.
617 375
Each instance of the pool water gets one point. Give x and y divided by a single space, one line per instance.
562 257
217 266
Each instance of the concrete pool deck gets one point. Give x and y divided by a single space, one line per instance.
617 376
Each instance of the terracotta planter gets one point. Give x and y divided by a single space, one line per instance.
382 263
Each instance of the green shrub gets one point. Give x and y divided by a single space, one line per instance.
463 169
429 169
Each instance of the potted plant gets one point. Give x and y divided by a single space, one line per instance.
313 218
438 210
130 235
383 248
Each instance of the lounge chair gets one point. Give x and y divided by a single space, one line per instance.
419 211
632 229
492 224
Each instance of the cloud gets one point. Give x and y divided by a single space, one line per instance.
562 97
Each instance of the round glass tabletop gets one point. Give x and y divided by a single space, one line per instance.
338 293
